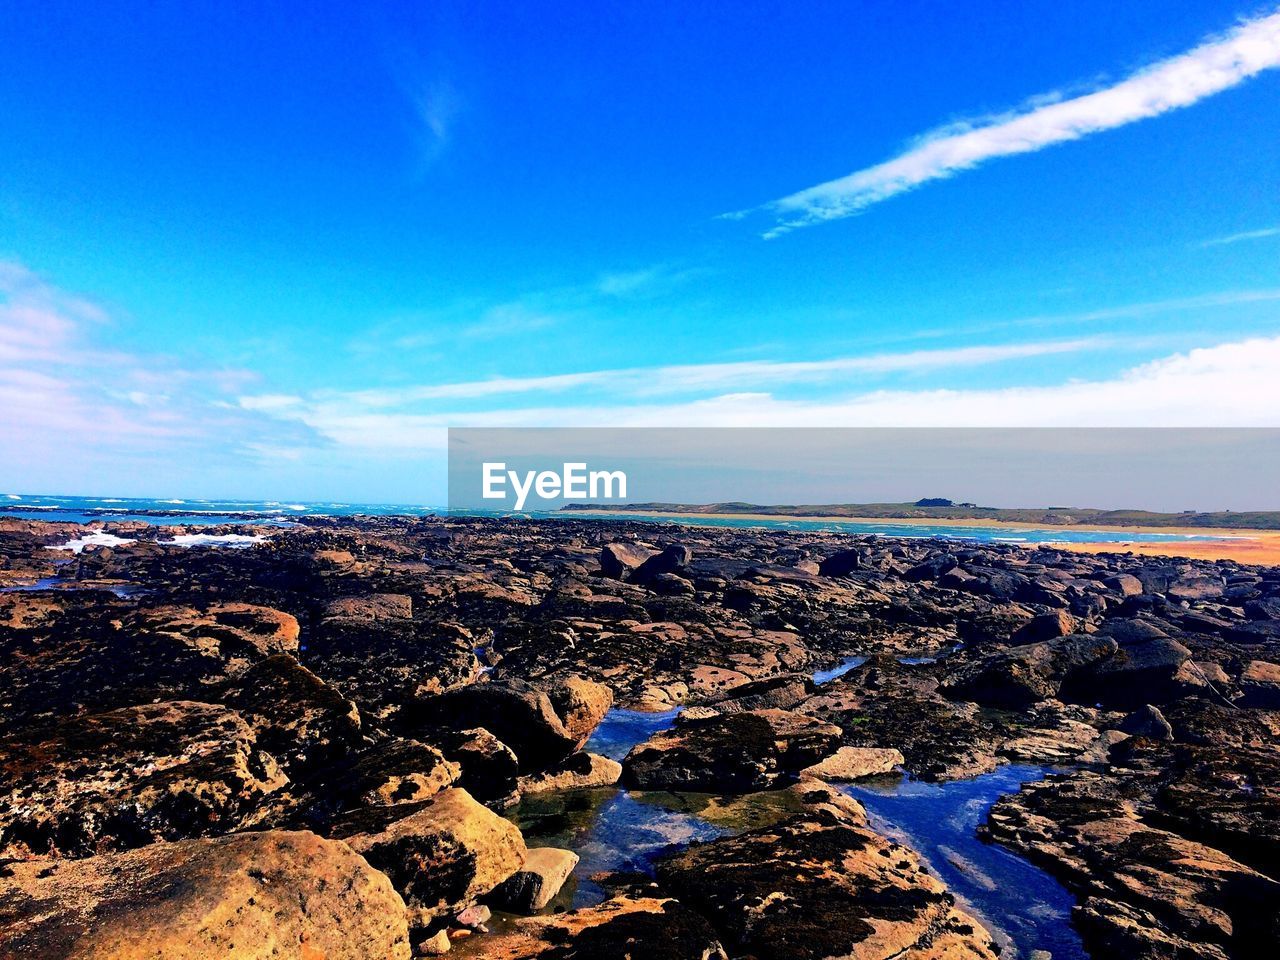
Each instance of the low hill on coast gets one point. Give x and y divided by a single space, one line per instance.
938 509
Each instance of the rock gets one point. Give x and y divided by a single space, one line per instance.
779 692
580 704
854 763
489 770
738 752
841 564
887 704
82 654
532 887
298 718
281 894
109 781
1152 893
1057 743
474 918
1196 588
390 773
1021 676
1138 673
235 632
1124 584
620 558
441 855
373 607
1047 626
383 663
670 585
1260 685
674 559
822 885
436 945
1147 721
622 928
515 712
580 771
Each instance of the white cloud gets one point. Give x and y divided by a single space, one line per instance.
1217 64
1238 237
1230 385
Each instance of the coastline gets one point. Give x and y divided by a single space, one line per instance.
1213 543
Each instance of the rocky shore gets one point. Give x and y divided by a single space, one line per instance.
317 741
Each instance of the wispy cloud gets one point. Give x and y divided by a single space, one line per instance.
1229 385
1238 237
689 378
60 389
1217 64
437 105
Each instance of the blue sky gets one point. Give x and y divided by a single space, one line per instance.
274 253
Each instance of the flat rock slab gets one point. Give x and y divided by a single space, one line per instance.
283 894
854 763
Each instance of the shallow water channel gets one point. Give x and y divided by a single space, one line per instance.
613 829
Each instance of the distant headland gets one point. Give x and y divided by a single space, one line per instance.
939 508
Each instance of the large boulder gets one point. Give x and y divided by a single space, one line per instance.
517 713
442 855
285 895
739 752
109 781
489 770
841 564
80 653
672 560
579 703
1139 672
1046 626
1021 676
620 558
389 773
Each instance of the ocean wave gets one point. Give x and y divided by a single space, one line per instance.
93 540
235 540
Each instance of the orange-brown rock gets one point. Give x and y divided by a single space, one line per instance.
278 894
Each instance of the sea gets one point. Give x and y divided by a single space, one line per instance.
175 510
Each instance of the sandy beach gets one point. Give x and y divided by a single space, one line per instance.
1243 546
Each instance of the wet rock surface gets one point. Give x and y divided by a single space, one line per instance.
821 884
351 681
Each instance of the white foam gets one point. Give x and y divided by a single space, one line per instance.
171 501
98 539
12 496
237 540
